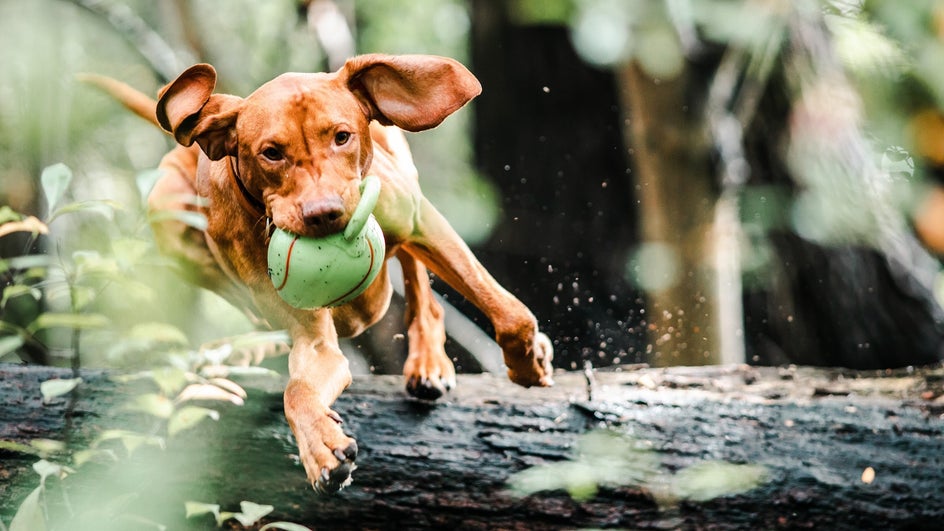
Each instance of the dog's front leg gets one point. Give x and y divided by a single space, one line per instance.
318 373
527 351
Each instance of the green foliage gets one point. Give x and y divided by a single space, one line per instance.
604 458
57 387
166 408
30 517
70 284
73 285
55 179
249 514
712 479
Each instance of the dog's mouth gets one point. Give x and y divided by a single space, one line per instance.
309 230
327 213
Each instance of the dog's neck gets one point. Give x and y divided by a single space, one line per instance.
250 203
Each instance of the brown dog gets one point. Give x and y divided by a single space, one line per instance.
293 154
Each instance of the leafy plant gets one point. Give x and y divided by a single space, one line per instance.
249 514
608 459
69 287
166 407
66 285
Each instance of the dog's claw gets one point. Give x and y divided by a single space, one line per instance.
426 388
332 480
348 454
337 479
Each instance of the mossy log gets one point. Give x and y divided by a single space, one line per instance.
820 434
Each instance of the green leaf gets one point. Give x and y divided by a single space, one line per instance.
129 439
47 468
188 417
80 296
146 181
8 214
603 458
193 508
577 478
284 526
187 217
31 261
235 370
13 446
152 404
93 263
712 479
57 387
37 447
48 446
129 251
250 513
18 290
78 321
84 456
105 207
156 332
55 180
170 380
29 517
202 391
9 344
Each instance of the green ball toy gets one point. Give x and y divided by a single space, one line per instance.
324 272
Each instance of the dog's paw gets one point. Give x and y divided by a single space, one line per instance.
430 376
534 367
429 388
543 357
327 454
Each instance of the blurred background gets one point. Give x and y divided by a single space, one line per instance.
663 182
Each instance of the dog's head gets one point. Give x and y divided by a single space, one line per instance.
301 143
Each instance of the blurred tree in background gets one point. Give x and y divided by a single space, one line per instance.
771 169
681 181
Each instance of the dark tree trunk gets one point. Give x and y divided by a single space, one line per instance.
548 134
446 465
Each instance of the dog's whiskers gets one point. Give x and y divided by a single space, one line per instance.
267 229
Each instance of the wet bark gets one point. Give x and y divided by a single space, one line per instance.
447 464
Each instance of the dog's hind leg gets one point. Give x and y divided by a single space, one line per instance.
428 370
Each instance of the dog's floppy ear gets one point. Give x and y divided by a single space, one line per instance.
189 110
413 92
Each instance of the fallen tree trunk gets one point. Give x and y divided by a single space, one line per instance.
448 464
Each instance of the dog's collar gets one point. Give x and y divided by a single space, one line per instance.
249 202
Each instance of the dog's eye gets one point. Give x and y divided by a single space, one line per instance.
341 138
272 154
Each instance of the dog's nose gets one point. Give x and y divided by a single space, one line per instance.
323 213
